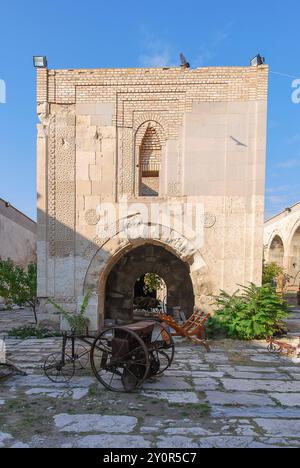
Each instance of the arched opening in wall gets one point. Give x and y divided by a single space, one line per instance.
294 268
121 285
150 293
276 252
149 163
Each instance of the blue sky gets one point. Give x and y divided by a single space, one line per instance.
96 33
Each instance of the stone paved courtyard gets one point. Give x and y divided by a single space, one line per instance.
239 395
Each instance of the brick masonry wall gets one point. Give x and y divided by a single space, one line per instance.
204 84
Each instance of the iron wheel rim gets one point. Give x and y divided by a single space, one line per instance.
116 365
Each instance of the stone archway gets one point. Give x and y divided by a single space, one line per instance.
148 258
276 251
294 254
106 254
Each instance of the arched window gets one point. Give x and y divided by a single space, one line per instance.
276 253
149 163
295 253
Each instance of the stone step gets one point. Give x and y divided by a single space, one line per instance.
293 326
293 335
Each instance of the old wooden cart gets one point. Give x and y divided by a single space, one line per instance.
121 357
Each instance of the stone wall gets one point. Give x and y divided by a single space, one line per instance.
17 235
211 125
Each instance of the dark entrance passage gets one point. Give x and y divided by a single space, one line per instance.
121 282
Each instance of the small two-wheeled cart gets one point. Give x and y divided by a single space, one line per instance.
121 357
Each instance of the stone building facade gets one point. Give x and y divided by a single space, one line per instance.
17 235
282 242
148 136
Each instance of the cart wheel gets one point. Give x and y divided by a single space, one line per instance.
163 347
58 372
120 359
81 355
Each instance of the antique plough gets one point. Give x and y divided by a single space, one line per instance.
192 329
281 347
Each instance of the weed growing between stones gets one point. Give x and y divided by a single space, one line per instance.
28 332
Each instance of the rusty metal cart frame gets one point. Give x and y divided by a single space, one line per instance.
283 348
192 329
121 357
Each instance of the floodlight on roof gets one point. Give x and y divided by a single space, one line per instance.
257 61
40 61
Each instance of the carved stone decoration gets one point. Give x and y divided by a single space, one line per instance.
209 220
127 174
91 217
93 247
173 189
65 180
51 186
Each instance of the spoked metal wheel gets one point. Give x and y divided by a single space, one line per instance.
81 355
163 348
57 371
120 359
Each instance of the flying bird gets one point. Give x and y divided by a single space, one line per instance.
184 62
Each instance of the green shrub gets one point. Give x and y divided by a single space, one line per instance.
19 286
152 283
77 322
27 332
271 271
274 275
252 312
214 328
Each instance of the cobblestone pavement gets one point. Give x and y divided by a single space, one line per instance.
10 319
238 395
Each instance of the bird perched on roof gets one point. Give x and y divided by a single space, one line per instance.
184 62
